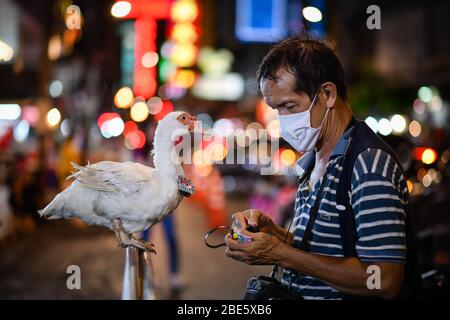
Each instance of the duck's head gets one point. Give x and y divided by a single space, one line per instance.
176 124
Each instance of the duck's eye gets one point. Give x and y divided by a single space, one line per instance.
183 118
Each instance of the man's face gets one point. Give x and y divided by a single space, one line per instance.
280 95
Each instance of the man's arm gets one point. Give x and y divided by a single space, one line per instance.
348 275
344 274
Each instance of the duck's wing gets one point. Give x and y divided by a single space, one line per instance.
110 176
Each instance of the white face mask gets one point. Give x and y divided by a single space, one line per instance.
297 131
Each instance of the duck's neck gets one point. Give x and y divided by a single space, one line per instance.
165 160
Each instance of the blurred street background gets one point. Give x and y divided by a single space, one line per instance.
89 80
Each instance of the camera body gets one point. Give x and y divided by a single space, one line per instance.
268 288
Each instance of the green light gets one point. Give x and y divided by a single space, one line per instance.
166 69
425 94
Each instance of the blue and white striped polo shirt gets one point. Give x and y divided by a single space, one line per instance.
378 194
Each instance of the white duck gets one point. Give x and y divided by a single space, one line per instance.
127 197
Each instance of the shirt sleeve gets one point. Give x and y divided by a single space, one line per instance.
378 199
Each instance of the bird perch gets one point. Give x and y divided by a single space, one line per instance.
138 276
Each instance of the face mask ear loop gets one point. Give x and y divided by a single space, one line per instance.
326 112
324 117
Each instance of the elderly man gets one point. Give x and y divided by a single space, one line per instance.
304 81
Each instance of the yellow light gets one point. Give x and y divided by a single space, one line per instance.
149 59
273 129
53 117
184 11
203 170
6 52
410 185
218 151
288 157
429 156
184 32
139 111
202 157
184 78
54 49
184 54
415 128
120 9
123 98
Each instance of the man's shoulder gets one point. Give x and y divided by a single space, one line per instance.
377 162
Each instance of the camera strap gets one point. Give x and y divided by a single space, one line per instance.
304 245
307 235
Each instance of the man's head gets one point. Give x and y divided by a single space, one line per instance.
294 71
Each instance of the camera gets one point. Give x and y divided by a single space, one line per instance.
268 288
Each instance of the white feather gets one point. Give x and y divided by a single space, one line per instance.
139 195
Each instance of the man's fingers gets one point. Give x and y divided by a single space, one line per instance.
253 219
238 255
239 220
236 245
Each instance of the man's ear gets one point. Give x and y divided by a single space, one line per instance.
329 92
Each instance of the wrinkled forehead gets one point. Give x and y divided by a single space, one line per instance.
274 90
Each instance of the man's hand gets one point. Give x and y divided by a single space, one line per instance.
254 218
261 250
257 219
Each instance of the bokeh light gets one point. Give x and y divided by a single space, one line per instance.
429 156
139 111
55 89
135 140
184 11
120 9
53 117
155 105
288 157
21 131
273 129
312 14
372 123
150 59
398 123
384 127
415 128
425 94
124 97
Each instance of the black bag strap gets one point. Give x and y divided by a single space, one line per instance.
304 245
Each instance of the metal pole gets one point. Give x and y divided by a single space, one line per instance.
138 278
129 288
148 285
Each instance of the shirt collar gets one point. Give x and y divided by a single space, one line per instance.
308 159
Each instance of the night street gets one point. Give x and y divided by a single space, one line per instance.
237 137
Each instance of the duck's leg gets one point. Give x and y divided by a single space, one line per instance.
125 239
